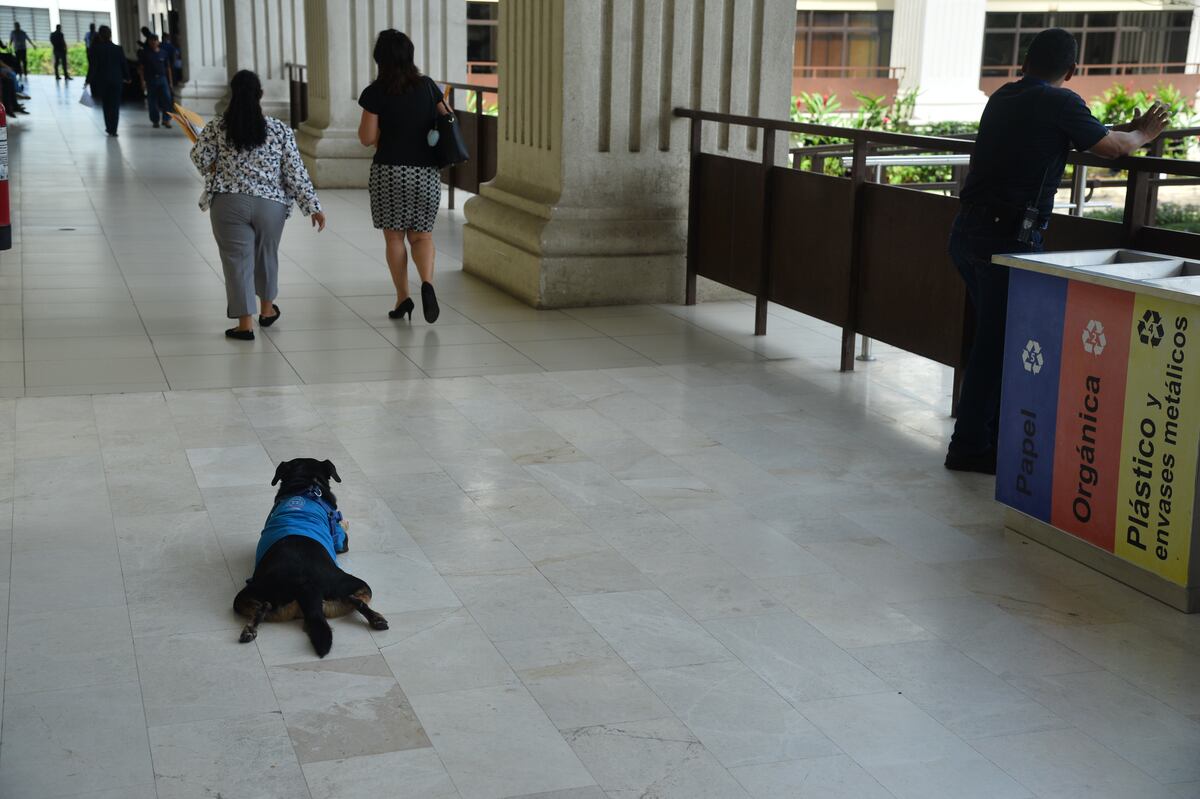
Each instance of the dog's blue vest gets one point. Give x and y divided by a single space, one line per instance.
306 514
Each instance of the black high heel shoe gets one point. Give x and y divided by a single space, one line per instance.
403 308
267 321
429 303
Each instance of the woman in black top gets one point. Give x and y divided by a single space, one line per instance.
406 191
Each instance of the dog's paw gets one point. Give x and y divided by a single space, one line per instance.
248 636
379 623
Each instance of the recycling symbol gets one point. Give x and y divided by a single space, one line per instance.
1032 358
1094 340
1150 329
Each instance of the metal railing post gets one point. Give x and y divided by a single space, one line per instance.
764 285
1078 190
693 245
453 177
858 176
864 354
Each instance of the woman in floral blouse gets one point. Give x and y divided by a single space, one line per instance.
252 175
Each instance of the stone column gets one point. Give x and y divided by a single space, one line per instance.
939 45
589 205
340 35
263 35
203 32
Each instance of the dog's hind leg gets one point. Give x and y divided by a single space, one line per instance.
319 632
250 631
376 621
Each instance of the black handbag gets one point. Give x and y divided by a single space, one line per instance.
448 145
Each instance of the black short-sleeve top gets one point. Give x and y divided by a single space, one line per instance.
1021 150
405 120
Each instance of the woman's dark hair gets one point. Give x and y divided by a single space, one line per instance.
394 54
245 125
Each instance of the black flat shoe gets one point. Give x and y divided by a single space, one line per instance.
240 335
983 463
429 303
267 321
403 308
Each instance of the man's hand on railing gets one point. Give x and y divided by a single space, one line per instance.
1133 135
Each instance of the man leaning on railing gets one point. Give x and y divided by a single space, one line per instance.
1020 155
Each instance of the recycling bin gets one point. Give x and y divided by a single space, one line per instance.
1100 416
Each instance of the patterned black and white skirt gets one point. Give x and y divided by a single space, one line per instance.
405 197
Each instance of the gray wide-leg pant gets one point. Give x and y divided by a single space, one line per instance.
247 230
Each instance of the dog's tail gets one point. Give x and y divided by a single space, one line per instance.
312 605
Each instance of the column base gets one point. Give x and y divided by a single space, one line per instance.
553 257
204 98
334 157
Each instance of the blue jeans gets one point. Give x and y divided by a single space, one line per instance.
973 242
158 99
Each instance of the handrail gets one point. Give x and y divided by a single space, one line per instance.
934 143
1156 68
882 71
469 87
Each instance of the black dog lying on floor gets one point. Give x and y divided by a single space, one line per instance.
295 570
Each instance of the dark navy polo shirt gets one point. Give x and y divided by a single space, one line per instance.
1024 135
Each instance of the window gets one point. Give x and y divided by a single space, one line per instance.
34 21
857 42
1109 42
75 23
483 27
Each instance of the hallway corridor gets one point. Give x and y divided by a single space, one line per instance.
625 552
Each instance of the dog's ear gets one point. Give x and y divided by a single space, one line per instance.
279 470
331 471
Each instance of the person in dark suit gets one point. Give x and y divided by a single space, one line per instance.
107 74
58 42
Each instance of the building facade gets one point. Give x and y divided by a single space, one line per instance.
955 52
39 17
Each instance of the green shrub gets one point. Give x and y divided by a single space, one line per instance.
41 60
1118 105
873 113
1172 216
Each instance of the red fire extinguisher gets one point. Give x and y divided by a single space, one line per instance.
5 220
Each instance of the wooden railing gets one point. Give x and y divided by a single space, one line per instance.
1088 70
480 131
804 71
867 257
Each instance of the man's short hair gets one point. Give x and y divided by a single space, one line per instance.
1051 54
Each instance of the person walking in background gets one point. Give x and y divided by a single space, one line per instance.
19 41
89 39
405 184
174 57
252 174
157 80
58 43
108 72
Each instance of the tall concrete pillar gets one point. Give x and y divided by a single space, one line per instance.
939 46
203 33
589 204
263 36
340 35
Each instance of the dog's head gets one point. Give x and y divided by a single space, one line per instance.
299 474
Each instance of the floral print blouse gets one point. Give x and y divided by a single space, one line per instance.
272 171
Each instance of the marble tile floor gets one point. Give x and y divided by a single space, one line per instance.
733 574
115 285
